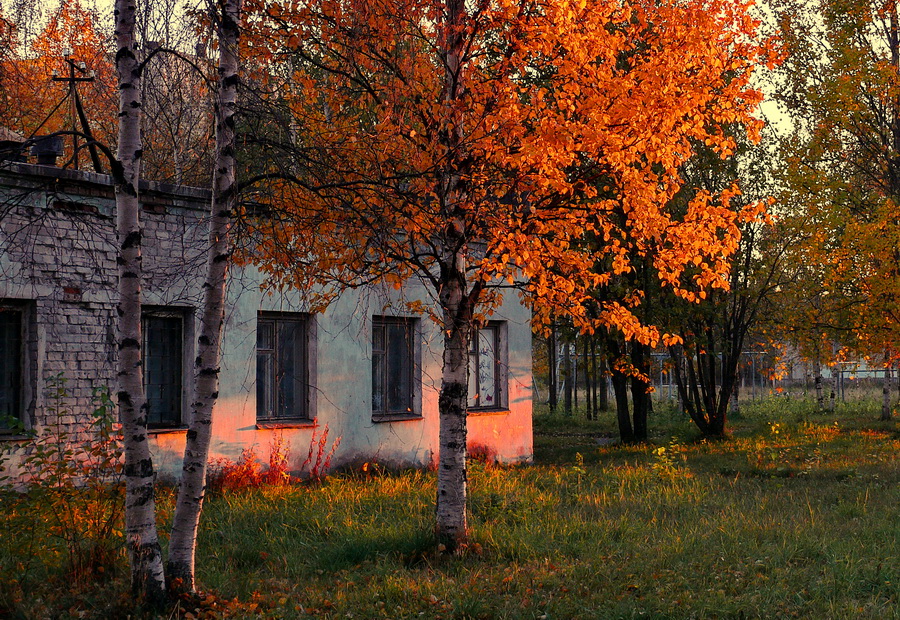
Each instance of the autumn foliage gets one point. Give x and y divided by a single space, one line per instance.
840 87
28 96
249 471
573 122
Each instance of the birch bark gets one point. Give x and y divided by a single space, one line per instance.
832 400
456 301
820 390
452 475
191 491
144 554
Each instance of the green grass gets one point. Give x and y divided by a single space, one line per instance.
795 515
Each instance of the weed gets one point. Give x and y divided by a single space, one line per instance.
247 472
319 467
666 459
483 454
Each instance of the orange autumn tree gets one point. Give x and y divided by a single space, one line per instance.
475 146
28 96
840 88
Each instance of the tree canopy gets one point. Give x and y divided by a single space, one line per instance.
571 119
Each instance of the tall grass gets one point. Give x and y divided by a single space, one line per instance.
797 514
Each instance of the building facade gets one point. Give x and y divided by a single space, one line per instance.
366 369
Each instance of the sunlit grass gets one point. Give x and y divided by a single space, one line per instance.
797 514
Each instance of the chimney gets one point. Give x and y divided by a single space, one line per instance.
47 150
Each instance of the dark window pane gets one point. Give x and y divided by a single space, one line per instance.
163 356
392 366
378 381
281 369
265 335
487 365
265 384
398 368
290 359
10 367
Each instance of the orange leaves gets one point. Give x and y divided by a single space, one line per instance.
27 94
556 160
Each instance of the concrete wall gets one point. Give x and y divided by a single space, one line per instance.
57 257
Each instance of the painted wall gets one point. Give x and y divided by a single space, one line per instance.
57 257
341 380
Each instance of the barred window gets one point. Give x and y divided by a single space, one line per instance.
282 369
486 376
393 366
11 366
163 351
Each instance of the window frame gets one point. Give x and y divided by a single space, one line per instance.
23 394
501 380
307 415
185 317
414 352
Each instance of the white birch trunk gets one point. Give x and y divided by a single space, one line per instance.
452 529
456 304
820 390
145 557
189 504
832 401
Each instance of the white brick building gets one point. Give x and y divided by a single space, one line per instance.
366 369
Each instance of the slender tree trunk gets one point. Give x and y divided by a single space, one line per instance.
688 393
456 301
601 388
552 382
567 368
588 384
639 394
452 527
820 390
832 401
620 391
733 404
144 554
189 504
575 373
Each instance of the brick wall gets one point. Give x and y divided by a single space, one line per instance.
58 262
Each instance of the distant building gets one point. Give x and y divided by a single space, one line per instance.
366 369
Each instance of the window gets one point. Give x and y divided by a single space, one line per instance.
486 376
163 349
394 352
282 368
11 363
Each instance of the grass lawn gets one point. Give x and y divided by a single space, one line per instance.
796 515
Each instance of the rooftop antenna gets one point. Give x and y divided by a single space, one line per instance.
78 72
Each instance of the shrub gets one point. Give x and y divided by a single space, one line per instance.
248 472
73 487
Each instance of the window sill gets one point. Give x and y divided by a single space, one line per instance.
277 424
478 412
167 431
395 417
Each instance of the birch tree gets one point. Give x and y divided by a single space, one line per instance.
145 556
473 146
191 490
